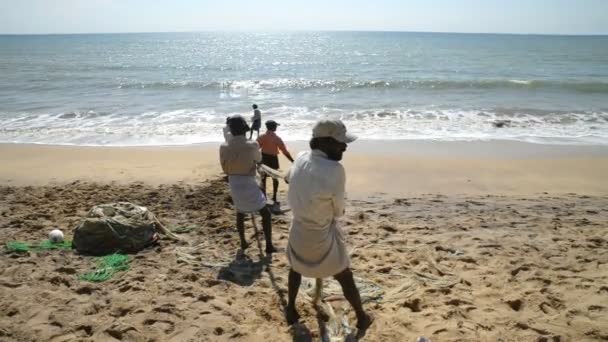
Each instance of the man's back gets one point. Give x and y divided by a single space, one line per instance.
271 143
316 195
316 190
257 115
239 155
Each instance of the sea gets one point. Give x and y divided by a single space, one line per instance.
178 88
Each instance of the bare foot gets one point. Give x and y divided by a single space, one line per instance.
364 322
291 315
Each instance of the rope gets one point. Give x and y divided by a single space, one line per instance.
161 227
257 236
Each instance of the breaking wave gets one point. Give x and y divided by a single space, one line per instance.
277 84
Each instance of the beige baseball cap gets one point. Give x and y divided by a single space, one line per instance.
333 129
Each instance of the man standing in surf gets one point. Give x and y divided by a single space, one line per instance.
256 121
316 247
239 157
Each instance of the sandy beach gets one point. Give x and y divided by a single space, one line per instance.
484 241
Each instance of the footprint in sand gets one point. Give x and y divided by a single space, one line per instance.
122 331
515 304
166 326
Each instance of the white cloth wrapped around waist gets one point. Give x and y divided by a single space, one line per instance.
246 194
317 252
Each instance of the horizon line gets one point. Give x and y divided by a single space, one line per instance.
302 30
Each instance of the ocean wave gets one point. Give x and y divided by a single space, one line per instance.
187 126
276 84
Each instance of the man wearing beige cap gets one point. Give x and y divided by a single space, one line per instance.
316 246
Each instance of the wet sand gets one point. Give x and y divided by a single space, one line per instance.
373 168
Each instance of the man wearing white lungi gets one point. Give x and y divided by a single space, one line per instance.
316 246
239 157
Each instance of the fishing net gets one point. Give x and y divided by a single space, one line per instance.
22 247
183 229
48 244
332 291
107 267
202 254
121 227
426 274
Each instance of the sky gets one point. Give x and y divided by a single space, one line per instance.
488 16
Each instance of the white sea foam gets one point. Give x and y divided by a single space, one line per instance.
188 126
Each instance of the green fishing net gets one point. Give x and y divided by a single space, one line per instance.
20 246
17 246
48 244
107 266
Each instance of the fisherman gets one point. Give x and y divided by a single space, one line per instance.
316 247
256 121
239 157
271 144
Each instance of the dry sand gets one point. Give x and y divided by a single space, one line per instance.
480 255
384 168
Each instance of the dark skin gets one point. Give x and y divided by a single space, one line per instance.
275 182
266 227
334 150
258 129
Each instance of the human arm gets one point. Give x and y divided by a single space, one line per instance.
223 159
227 134
339 192
283 150
257 153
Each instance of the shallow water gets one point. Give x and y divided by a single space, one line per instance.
177 88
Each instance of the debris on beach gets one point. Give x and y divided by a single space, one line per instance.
118 227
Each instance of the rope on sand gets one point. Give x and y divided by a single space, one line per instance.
324 292
200 254
161 227
329 290
427 274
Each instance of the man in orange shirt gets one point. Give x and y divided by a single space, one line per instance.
271 144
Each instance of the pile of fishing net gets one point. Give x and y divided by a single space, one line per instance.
120 227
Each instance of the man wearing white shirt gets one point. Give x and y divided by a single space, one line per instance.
239 157
316 246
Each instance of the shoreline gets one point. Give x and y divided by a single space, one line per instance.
373 145
373 167
494 148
